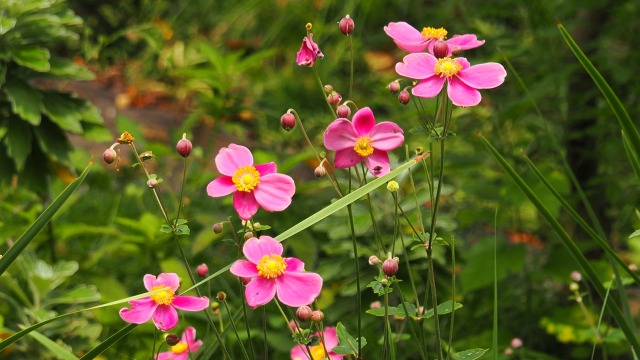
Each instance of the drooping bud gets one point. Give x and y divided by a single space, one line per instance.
317 316
334 98
172 339
390 267
393 186
304 313
343 111
394 86
288 121
440 49
217 228
374 260
404 97
109 156
184 146
320 171
221 296
202 270
346 25
328 89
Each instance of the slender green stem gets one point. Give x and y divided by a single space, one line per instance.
333 111
184 180
351 69
355 254
153 347
235 329
453 295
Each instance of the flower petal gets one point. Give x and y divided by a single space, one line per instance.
346 158
293 264
230 158
298 353
298 288
171 280
245 204
268 168
340 134
255 249
417 66
464 42
189 335
274 192
140 312
429 87
167 355
378 163
243 268
462 94
364 121
330 338
386 136
483 76
165 318
221 186
190 303
149 281
406 36
260 291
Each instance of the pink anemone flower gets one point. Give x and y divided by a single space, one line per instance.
162 305
363 140
410 39
253 185
308 52
299 352
463 80
270 274
182 349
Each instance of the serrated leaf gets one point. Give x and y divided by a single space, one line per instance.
444 308
6 24
25 101
166 229
347 344
471 354
67 69
33 57
182 230
63 110
53 142
18 141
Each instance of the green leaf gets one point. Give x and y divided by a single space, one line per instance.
55 348
166 229
33 57
93 353
53 141
634 234
67 69
6 24
444 308
25 101
397 311
79 295
633 157
470 354
347 344
18 141
182 230
12 254
64 110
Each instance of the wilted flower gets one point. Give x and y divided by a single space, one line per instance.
180 351
308 52
410 39
299 352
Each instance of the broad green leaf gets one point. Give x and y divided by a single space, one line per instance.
56 349
6 23
634 234
67 69
53 142
633 157
347 344
63 110
444 308
18 141
470 354
25 101
79 295
33 57
89 113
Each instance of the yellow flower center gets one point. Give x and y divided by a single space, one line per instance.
363 146
163 297
447 67
246 178
179 348
271 266
433 33
317 352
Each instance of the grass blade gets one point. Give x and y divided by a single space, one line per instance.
55 349
633 156
93 353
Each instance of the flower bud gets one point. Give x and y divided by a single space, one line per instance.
440 49
217 228
221 296
346 25
375 305
516 343
576 276
390 267
248 235
202 270
633 267
393 186
328 89
304 313
172 339
574 286
317 316
184 146
404 97
288 121
394 86
109 156
456 50
215 305
343 111
334 98
374 260
152 183
320 171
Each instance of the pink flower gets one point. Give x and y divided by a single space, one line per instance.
272 274
181 350
253 185
363 140
462 79
162 306
410 39
309 52
299 352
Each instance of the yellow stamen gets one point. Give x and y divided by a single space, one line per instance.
363 146
447 67
164 297
271 266
179 348
246 178
433 33
317 352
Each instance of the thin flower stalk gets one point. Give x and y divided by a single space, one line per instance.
355 255
235 329
333 111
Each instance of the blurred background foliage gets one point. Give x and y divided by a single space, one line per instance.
225 72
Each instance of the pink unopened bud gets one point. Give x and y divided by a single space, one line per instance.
172 339
343 111
317 316
334 98
576 276
404 97
320 171
328 89
390 267
455 51
394 86
346 25
374 260
152 183
288 121
184 146
217 228
440 49
202 270
516 343
304 313
109 156
375 305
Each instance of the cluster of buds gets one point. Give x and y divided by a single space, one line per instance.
389 266
305 313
